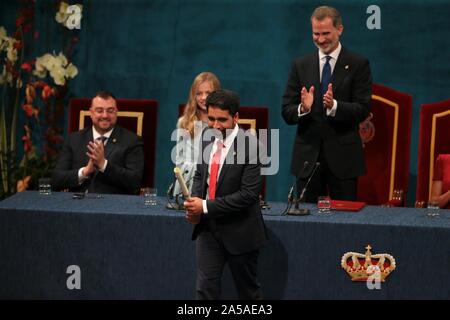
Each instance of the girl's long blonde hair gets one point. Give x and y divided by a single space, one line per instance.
189 116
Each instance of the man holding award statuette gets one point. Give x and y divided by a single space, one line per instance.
224 205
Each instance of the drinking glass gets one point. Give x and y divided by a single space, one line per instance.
45 187
433 209
324 204
150 195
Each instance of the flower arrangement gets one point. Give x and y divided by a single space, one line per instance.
38 87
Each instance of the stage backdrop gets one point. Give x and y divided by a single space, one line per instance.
153 49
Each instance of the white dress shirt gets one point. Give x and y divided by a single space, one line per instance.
227 144
95 135
322 60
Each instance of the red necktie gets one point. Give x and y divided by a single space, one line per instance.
214 171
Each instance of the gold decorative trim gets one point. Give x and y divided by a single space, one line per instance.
83 113
394 140
432 147
129 114
251 122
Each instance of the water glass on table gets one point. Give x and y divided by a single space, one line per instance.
45 187
324 205
150 195
433 209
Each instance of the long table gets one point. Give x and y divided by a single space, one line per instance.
115 247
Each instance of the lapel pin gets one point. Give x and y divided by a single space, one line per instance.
346 67
114 140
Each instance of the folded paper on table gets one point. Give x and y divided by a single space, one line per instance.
347 205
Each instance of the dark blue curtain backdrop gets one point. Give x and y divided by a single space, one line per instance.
153 49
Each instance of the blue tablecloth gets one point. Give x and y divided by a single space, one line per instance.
125 249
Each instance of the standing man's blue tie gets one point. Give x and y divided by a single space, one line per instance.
326 76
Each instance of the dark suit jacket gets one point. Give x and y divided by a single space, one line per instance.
234 216
352 89
124 151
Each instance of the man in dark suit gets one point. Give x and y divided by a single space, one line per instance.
327 95
224 206
104 158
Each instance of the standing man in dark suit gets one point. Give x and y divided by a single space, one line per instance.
104 158
327 95
224 206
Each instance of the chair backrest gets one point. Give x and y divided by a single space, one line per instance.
250 117
137 115
434 139
387 154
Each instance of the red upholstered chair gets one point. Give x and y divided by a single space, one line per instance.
387 153
434 139
250 117
137 115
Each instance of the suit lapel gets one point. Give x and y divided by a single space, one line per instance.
111 142
230 159
314 72
207 147
223 171
315 76
341 70
87 137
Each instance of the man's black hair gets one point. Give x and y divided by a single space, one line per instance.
224 100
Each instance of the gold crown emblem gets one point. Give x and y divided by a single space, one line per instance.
361 266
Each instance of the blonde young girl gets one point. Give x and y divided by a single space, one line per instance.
191 123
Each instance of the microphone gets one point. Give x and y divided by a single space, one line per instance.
291 191
169 192
307 182
303 211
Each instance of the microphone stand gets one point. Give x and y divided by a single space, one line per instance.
291 190
175 205
179 206
296 211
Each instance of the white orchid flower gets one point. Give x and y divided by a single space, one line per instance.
11 52
71 71
57 66
61 15
2 36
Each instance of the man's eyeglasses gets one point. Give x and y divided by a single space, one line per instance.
108 111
